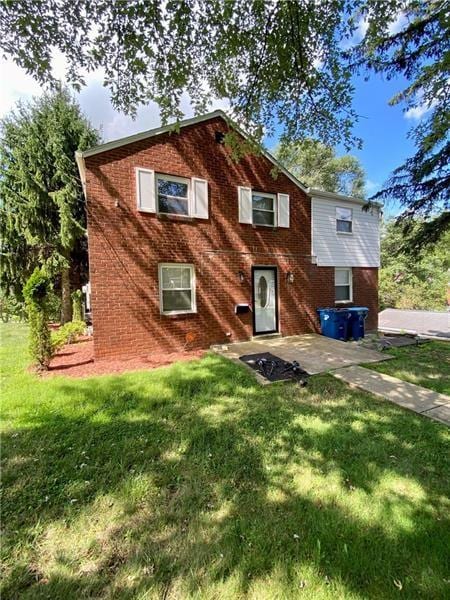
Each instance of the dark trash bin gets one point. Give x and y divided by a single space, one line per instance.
356 324
334 322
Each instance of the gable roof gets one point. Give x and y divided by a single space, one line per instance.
80 156
137 137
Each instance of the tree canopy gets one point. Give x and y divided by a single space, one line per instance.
316 165
43 212
283 66
409 281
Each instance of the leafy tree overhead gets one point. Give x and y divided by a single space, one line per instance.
43 213
420 51
316 165
282 65
414 282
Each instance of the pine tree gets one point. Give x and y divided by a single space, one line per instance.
43 212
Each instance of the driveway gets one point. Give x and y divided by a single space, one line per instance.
418 322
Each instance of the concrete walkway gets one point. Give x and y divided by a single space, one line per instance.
416 398
315 353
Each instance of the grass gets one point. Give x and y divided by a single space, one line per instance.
194 482
427 365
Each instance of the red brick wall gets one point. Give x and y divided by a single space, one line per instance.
125 247
365 291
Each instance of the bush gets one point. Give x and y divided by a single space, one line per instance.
35 292
67 334
54 307
77 305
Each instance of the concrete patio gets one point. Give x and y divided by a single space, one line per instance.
315 353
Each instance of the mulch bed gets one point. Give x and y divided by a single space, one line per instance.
77 360
274 368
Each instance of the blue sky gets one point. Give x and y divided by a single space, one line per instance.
382 128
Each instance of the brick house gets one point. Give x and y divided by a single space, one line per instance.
188 248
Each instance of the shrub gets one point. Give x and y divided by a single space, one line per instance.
67 334
54 307
35 292
77 305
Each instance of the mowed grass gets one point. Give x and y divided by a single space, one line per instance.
427 365
195 482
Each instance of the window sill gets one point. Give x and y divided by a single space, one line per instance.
344 232
182 313
343 301
258 225
168 217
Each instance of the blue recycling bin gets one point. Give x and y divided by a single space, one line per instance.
334 322
356 324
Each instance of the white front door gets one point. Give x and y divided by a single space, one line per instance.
265 300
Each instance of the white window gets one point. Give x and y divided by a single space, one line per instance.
343 287
263 209
173 194
343 220
177 289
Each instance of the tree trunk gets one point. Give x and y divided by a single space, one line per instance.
66 300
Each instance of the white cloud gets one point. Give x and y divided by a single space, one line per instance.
16 85
363 26
94 100
417 112
397 24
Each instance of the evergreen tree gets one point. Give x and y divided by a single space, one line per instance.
43 211
317 166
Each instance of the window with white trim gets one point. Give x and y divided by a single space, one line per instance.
343 286
344 218
177 288
263 209
172 194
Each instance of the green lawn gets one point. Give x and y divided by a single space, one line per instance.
427 365
195 482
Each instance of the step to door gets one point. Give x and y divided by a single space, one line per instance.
265 336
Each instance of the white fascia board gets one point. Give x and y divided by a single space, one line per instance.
315 193
79 159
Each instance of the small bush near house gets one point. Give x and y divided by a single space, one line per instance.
54 307
67 334
35 292
77 305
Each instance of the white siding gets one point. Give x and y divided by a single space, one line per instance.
361 248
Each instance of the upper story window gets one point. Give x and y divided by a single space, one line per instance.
177 288
343 285
344 218
263 209
173 194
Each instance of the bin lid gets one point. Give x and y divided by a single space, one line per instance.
357 308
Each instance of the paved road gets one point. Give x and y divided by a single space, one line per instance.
418 321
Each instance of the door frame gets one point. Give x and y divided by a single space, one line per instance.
275 270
